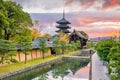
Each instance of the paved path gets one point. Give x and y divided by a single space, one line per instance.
81 57
99 71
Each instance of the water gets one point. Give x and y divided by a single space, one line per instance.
64 70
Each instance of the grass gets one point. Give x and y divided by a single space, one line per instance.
17 66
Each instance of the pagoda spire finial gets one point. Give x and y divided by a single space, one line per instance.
63 12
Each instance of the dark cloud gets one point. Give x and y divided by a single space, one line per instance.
110 3
88 3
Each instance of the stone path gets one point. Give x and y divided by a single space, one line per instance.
99 71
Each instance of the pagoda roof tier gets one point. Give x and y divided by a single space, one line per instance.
65 31
63 21
63 27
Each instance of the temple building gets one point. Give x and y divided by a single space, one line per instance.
63 25
75 35
79 35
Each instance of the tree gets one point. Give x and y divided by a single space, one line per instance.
63 46
63 37
3 19
13 20
38 26
43 47
55 36
103 48
77 44
73 45
35 34
68 47
114 61
7 50
25 45
11 54
47 35
56 47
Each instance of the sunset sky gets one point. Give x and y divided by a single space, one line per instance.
96 17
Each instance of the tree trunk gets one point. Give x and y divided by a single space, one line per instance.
2 58
62 51
31 55
43 54
6 34
36 53
11 57
19 55
25 57
40 54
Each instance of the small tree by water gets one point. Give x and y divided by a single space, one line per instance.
43 47
25 46
56 47
7 50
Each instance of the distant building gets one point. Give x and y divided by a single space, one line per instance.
63 25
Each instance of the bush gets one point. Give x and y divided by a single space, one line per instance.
103 48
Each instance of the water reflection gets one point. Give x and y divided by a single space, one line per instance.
64 70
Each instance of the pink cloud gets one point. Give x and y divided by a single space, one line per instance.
88 3
111 3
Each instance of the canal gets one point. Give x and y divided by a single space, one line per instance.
63 70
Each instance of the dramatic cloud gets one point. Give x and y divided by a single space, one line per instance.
94 25
111 3
89 3
56 6
95 17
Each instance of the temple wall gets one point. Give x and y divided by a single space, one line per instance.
34 54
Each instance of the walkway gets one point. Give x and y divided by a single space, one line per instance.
79 57
99 71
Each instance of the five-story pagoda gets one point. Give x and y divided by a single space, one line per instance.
63 25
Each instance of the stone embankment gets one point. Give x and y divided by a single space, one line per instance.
41 65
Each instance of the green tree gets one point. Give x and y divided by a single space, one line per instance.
43 47
25 45
68 47
103 48
73 45
12 53
63 46
13 20
47 35
90 44
114 58
78 44
56 47
7 49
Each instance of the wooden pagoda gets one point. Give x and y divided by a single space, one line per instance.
63 25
